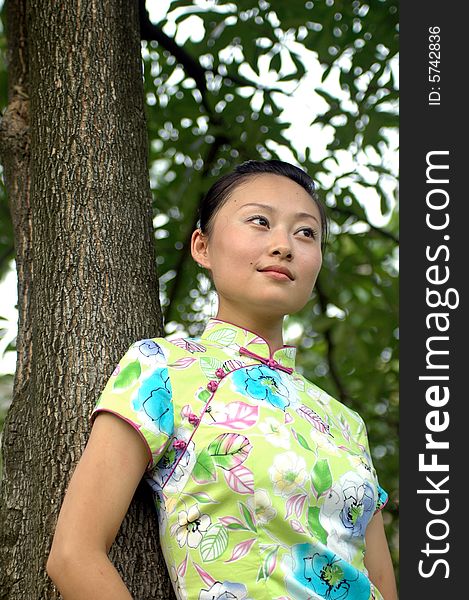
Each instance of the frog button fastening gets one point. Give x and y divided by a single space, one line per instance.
179 444
212 385
193 419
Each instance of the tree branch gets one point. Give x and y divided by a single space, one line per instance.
149 31
383 232
184 252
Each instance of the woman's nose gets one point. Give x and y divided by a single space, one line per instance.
281 245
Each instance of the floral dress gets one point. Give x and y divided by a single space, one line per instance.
263 483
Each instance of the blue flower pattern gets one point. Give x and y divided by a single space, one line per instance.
359 506
154 399
317 569
149 348
262 383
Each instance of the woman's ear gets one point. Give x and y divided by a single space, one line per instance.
199 248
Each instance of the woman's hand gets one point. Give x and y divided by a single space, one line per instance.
96 501
378 559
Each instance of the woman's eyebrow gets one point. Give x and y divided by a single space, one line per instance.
300 215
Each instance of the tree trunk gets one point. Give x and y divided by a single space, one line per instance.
87 285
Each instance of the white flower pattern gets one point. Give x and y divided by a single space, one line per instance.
287 473
261 506
192 526
275 432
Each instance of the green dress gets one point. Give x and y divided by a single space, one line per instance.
263 483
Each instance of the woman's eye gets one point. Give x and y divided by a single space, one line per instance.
310 233
260 220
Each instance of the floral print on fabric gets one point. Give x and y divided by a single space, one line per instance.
275 432
382 498
150 348
261 506
318 570
263 483
287 473
176 465
262 383
191 527
224 591
349 506
154 401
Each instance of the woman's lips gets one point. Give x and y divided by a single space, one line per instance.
277 275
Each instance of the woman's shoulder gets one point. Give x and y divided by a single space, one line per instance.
170 348
331 404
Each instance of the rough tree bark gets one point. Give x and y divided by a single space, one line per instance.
15 155
75 167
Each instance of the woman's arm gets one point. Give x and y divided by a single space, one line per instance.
378 558
96 501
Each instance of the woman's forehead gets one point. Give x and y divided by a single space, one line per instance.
274 191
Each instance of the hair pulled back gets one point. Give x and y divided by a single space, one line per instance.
221 190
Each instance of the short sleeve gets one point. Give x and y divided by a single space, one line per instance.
139 392
381 494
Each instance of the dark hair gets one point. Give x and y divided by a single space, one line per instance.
221 190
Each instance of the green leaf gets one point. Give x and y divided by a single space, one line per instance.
204 395
268 565
301 440
321 477
276 62
229 450
209 366
202 498
300 68
204 469
315 526
224 337
214 543
247 516
251 54
236 526
326 72
128 375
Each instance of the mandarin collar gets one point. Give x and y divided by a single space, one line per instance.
229 335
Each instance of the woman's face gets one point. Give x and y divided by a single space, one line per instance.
269 222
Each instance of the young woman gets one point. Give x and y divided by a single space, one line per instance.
264 484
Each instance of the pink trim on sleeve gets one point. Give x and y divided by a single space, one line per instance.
382 506
383 498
